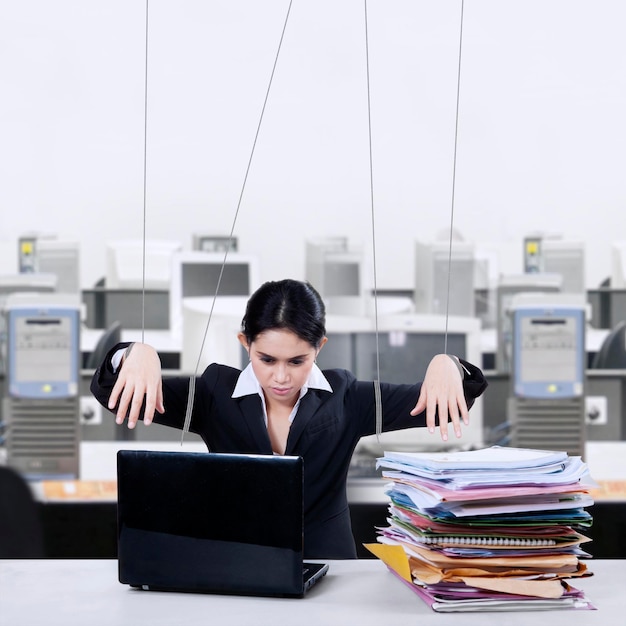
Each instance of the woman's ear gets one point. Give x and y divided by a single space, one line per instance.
322 342
243 340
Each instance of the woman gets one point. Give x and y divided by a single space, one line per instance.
282 403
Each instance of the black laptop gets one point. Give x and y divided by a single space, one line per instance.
216 523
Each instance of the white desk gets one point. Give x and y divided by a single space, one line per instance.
162 340
593 339
360 592
606 460
166 341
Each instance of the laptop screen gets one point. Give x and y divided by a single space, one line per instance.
210 522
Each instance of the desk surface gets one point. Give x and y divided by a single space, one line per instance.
362 592
162 340
166 341
606 459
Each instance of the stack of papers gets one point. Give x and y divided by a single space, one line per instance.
484 530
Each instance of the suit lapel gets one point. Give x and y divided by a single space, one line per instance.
252 414
252 411
309 404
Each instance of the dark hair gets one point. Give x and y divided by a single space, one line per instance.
289 304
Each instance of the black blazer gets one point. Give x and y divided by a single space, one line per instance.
324 432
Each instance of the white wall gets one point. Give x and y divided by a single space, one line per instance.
541 144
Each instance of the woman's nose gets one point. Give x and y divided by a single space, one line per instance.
280 373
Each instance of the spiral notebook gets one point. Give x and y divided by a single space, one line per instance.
206 522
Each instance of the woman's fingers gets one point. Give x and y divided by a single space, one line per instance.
442 397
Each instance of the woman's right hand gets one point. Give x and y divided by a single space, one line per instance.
139 378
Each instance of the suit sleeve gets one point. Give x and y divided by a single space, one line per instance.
474 382
399 400
104 377
175 392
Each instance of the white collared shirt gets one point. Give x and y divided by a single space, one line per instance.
248 384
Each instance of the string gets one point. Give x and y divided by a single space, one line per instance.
145 186
377 394
192 379
377 391
454 162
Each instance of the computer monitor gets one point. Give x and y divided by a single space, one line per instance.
338 272
566 258
342 275
61 258
405 346
214 243
196 275
215 343
135 309
135 264
445 278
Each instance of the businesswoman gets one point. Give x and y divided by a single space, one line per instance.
282 403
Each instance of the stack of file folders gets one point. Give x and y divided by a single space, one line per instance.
495 529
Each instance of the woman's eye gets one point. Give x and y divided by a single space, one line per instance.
297 361
267 359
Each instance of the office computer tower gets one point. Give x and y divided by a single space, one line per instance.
509 287
547 405
28 251
41 408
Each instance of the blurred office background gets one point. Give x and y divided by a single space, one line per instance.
103 101
540 145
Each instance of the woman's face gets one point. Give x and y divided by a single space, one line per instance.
282 362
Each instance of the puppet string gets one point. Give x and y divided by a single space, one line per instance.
454 163
192 379
377 395
145 183
377 391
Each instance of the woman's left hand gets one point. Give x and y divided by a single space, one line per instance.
442 394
